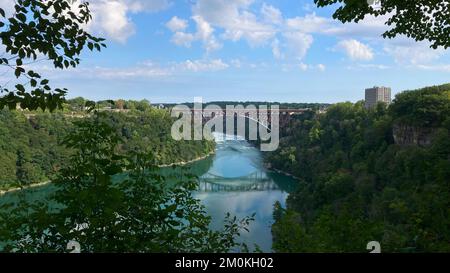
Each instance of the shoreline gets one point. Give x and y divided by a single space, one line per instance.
34 185
184 163
272 169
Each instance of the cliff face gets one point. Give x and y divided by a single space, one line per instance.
411 135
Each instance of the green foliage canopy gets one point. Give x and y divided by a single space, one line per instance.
52 29
357 185
420 20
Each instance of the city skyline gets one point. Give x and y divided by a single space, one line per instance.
242 50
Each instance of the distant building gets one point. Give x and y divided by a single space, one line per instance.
377 94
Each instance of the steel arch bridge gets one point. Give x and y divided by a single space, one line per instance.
256 181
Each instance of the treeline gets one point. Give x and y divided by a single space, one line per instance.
359 185
282 105
105 200
31 142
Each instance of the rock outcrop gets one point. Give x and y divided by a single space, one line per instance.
406 135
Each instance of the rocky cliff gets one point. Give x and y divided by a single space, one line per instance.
411 135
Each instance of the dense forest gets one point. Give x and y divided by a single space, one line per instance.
110 199
31 141
380 174
282 105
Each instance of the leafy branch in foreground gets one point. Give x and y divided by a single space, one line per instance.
42 30
420 20
109 202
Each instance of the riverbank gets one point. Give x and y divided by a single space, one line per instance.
3 192
181 163
269 167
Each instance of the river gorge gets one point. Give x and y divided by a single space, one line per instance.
233 179
237 182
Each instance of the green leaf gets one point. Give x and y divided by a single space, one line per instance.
22 17
20 87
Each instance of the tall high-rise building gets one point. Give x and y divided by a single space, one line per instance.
377 94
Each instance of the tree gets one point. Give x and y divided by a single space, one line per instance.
52 29
420 20
110 202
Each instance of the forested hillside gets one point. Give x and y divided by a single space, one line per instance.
31 141
360 182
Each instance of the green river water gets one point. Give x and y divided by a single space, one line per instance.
233 180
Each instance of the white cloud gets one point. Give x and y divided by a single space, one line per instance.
298 43
303 66
204 33
7 6
405 51
371 27
276 51
143 70
148 5
183 39
111 18
236 63
203 65
368 66
235 17
308 24
176 24
356 50
271 14
437 67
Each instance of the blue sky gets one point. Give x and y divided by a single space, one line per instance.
173 51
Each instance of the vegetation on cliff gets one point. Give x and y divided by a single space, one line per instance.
31 150
358 185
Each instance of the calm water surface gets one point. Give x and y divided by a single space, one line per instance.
233 180
237 182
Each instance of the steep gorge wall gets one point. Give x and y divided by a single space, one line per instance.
406 135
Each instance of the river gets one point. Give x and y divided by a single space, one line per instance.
232 180
237 182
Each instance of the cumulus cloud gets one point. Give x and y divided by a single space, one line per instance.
355 50
271 14
235 17
111 18
176 24
303 66
204 33
298 43
183 39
